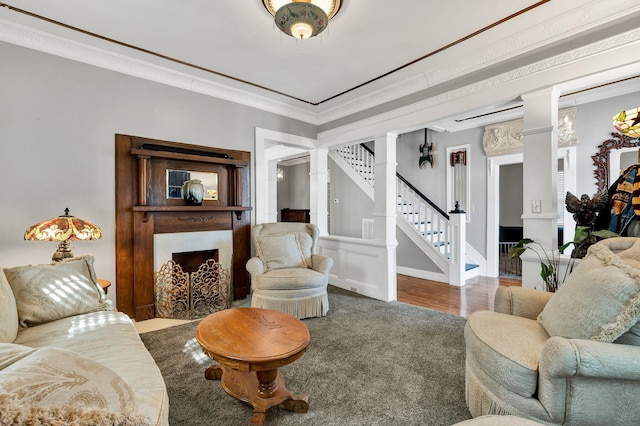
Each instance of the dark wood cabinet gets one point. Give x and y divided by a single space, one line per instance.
295 215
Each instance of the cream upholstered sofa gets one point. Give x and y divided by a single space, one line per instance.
66 357
287 274
570 357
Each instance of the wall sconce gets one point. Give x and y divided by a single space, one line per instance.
279 174
63 229
425 152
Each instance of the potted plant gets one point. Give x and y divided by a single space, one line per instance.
550 262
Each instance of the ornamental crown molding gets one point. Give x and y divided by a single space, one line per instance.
457 63
506 137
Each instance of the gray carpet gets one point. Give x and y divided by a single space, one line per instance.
368 363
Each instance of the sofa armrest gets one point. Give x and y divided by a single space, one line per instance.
255 266
521 302
321 263
583 376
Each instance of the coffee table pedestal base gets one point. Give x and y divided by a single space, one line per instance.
262 390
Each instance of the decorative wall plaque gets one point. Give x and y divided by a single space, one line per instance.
506 137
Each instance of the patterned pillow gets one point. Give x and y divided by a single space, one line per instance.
292 250
600 299
8 311
53 377
49 292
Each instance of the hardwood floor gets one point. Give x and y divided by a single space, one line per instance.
476 295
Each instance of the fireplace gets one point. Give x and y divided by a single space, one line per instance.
147 208
192 276
192 285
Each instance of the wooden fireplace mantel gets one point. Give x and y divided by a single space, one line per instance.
143 210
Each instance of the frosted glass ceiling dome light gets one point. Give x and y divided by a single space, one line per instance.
302 19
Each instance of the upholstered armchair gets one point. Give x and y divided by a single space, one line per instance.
287 274
570 357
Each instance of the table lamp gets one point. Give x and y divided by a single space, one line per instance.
62 229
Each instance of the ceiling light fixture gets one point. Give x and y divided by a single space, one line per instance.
302 18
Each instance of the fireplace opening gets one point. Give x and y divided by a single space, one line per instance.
191 285
190 261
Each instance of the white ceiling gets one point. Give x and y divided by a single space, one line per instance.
373 52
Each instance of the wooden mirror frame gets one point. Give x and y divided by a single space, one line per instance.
601 157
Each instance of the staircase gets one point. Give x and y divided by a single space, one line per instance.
428 226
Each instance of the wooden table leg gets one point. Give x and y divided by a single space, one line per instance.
214 372
261 389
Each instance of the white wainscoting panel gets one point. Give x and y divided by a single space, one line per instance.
360 266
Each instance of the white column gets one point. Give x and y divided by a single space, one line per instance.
271 192
318 188
384 208
458 243
540 169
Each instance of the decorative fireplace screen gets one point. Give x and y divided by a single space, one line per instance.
183 295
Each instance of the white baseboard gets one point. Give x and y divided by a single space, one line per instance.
425 275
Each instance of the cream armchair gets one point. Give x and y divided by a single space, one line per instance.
287 274
570 357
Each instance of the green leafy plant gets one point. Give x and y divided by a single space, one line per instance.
550 261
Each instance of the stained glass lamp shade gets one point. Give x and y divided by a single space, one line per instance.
628 123
63 229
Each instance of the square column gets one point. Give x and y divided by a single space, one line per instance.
385 207
318 188
540 171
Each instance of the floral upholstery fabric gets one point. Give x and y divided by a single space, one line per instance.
46 293
49 377
108 338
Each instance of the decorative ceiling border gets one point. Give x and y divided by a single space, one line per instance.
592 12
262 87
507 48
506 137
611 44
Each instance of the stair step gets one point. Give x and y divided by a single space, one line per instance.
470 266
441 243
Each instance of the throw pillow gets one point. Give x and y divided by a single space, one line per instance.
279 251
600 299
46 293
8 311
53 377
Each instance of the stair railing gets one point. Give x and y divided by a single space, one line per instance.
431 222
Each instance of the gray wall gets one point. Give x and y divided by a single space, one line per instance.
353 205
58 120
511 195
293 190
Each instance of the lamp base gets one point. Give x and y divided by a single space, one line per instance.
63 252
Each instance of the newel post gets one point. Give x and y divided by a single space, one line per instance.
457 218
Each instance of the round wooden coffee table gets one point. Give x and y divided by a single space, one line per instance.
249 345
